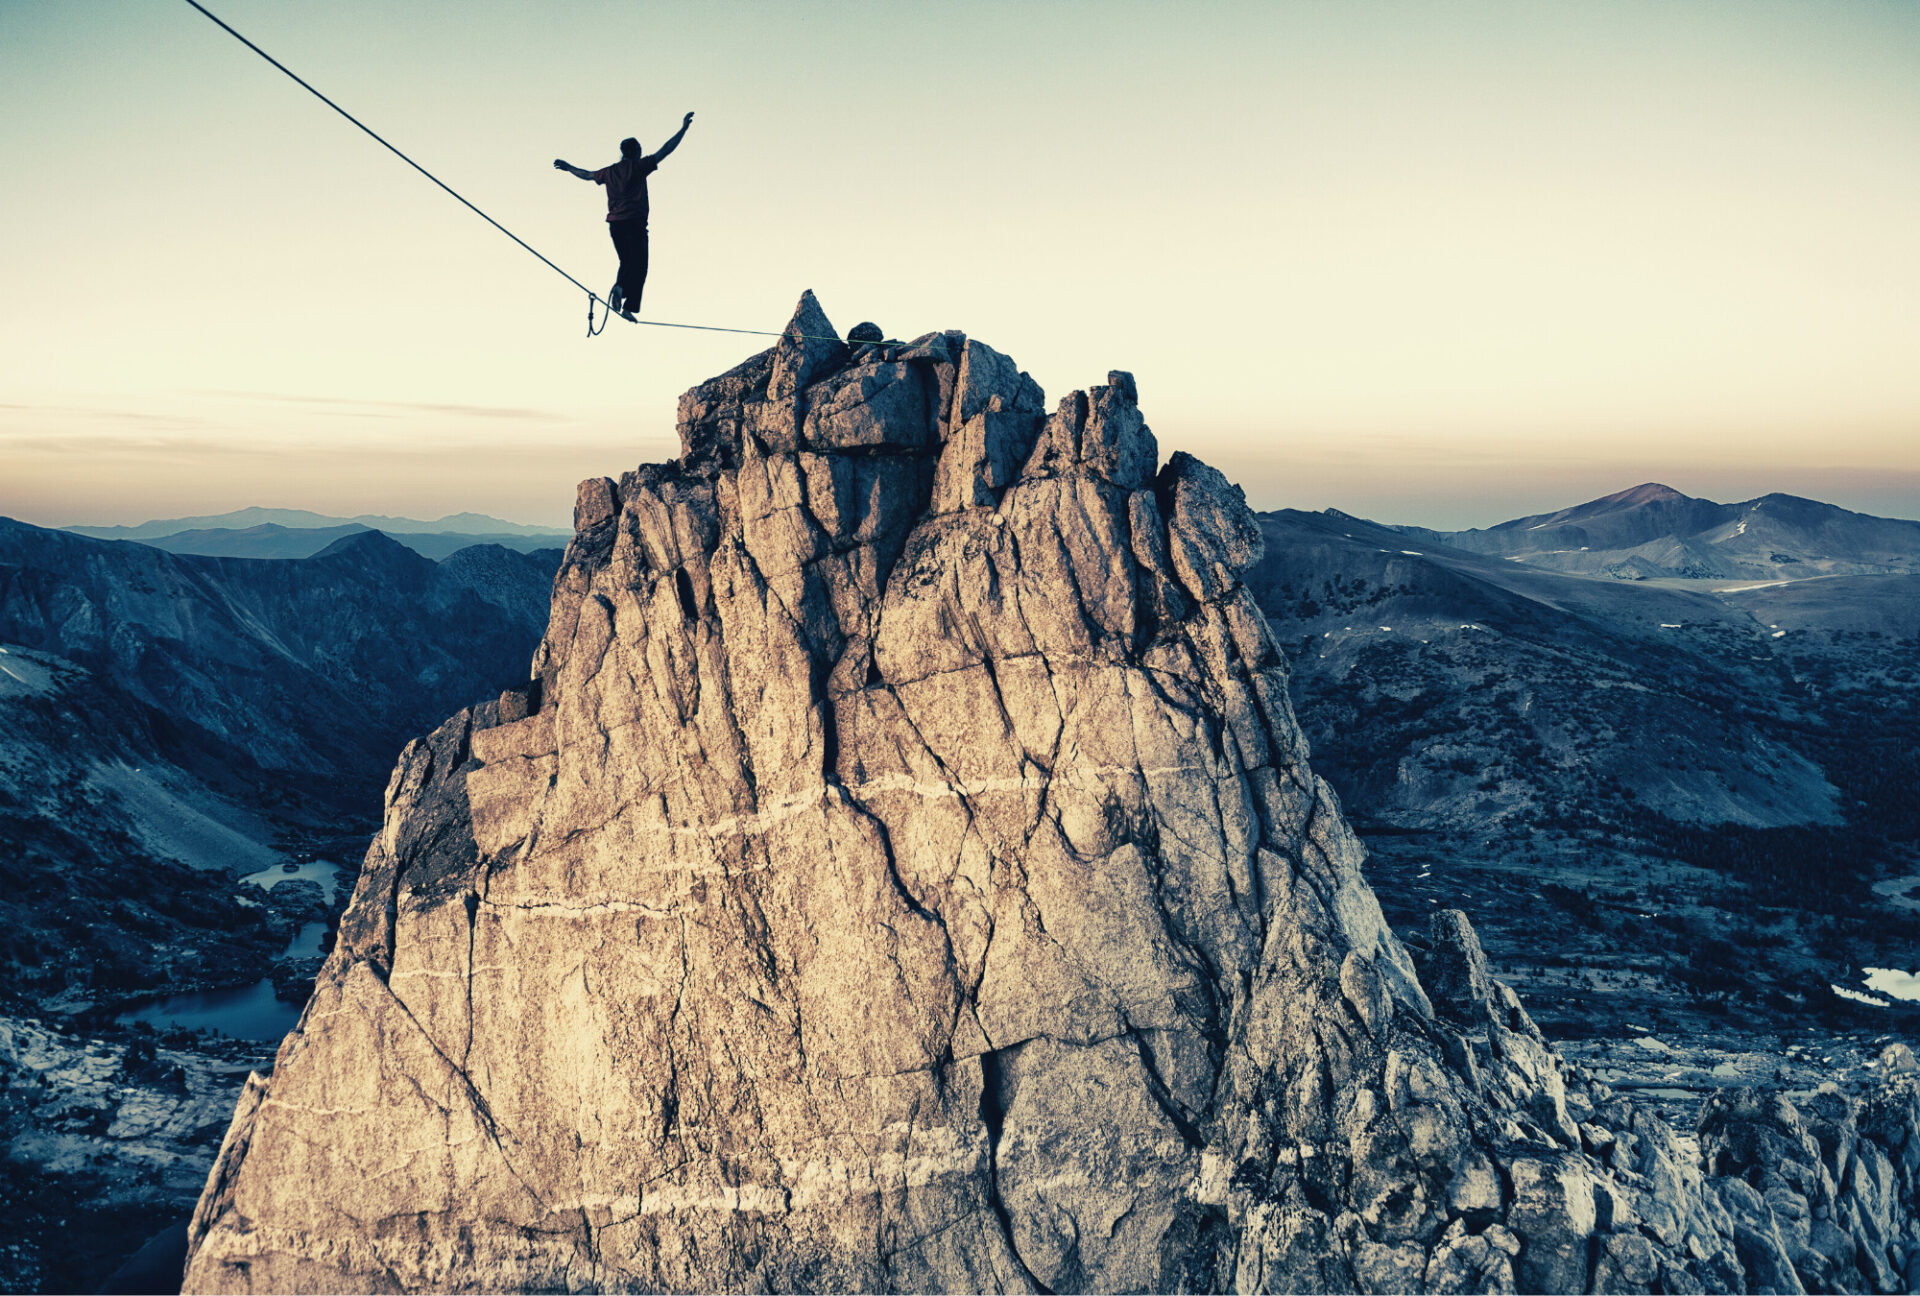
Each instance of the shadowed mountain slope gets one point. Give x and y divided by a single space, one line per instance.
321 665
1675 804
166 721
1444 688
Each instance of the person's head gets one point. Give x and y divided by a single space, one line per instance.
630 147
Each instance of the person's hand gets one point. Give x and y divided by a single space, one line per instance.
558 165
687 120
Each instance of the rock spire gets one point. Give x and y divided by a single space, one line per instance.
904 871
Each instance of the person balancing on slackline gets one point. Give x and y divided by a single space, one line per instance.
626 182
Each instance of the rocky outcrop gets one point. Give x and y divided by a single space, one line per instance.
904 872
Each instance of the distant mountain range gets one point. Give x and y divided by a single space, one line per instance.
1624 734
271 540
306 520
299 533
1653 532
168 721
1453 689
323 665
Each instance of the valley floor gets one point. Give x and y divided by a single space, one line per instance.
112 1135
116 1092
1607 940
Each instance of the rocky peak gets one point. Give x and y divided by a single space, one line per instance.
905 872
370 547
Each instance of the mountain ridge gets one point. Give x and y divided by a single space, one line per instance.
1652 531
1568 756
271 540
205 638
306 519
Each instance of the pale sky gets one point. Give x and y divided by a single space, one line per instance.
1444 264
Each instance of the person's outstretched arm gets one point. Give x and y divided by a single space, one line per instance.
673 143
558 165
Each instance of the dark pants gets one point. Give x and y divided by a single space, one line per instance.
630 241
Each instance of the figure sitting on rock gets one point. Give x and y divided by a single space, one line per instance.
626 182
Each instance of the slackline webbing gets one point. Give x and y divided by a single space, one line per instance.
593 298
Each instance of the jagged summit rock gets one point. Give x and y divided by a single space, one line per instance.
904 873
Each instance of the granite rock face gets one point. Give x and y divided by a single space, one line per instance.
904 872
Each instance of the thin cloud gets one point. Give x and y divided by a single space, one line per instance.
102 448
356 408
102 412
96 446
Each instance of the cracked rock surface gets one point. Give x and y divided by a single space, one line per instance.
903 872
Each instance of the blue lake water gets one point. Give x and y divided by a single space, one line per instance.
306 941
244 1012
1893 982
326 873
249 1012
